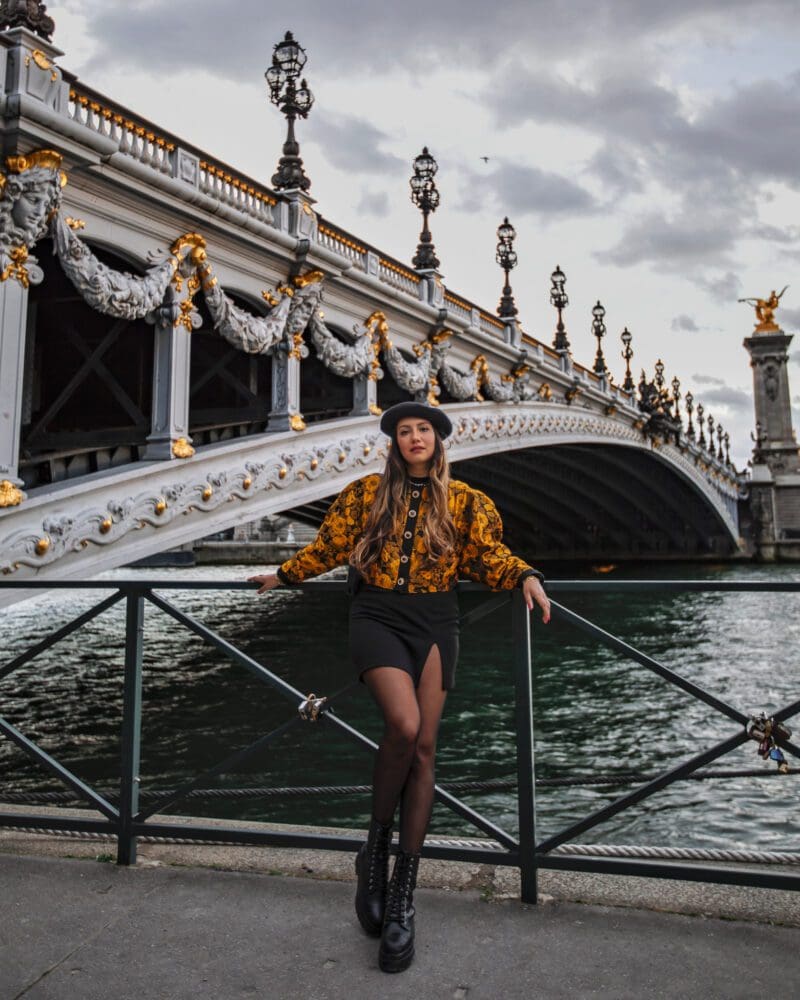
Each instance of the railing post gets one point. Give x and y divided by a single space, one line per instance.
131 727
526 793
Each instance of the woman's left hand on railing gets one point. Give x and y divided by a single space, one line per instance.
534 594
267 582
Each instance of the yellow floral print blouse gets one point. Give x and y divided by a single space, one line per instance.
402 566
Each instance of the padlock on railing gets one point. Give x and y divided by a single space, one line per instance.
766 732
311 708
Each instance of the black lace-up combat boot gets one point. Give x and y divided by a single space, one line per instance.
397 941
372 869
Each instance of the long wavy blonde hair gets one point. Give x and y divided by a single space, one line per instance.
438 532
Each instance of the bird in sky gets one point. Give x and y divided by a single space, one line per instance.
485 159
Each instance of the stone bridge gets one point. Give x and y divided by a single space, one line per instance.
184 349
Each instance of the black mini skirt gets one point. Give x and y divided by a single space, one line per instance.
391 629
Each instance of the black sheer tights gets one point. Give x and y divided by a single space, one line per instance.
404 764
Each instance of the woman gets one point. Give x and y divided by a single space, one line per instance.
407 536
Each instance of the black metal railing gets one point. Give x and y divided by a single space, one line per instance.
127 820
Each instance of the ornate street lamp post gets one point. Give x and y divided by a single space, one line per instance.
507 259
689 400
626 337
727 448
676 396
702 439
558 298
426 197
720 439
288 60
710 423
599 331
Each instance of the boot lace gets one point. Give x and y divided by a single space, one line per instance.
378 855
400 889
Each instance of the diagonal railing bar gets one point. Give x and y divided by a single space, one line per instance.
231 651
647 661
171 796
59 634
485 609
793 749
446 798
667 778
238 757
787 712
260 671
61 772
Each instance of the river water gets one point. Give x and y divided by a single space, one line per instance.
595 712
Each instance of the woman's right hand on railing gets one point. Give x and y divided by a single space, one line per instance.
267 582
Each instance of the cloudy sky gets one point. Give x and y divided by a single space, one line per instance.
652 150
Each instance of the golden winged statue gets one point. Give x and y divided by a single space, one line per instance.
765 311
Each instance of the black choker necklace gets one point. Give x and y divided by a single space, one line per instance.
419 482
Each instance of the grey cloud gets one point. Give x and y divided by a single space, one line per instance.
631 108
684 322
524 190
784 235
755 131
618 170
723 288
736 400
675 243
708 380
789 319
374 203
795 357
717 160
361 36
353 144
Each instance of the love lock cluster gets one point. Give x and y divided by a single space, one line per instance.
311 708
766 731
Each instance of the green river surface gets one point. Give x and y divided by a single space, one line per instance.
594 713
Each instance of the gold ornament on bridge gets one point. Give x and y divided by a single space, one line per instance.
480 366
196 245
10 495
310 278
544 392
296 422
765 311
42 62
17 269
182 449
297 346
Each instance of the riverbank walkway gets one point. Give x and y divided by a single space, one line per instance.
81 928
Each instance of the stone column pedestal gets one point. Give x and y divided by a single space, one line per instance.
13 316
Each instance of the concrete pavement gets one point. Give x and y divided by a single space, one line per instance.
76 929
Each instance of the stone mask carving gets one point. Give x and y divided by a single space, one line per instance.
30 192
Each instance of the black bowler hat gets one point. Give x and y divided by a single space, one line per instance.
400 411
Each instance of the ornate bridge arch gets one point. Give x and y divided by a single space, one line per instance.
648 490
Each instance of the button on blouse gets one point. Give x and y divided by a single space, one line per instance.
480 553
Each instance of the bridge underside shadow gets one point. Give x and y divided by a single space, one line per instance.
589 502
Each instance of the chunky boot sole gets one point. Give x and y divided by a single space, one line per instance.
372 928
396 961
